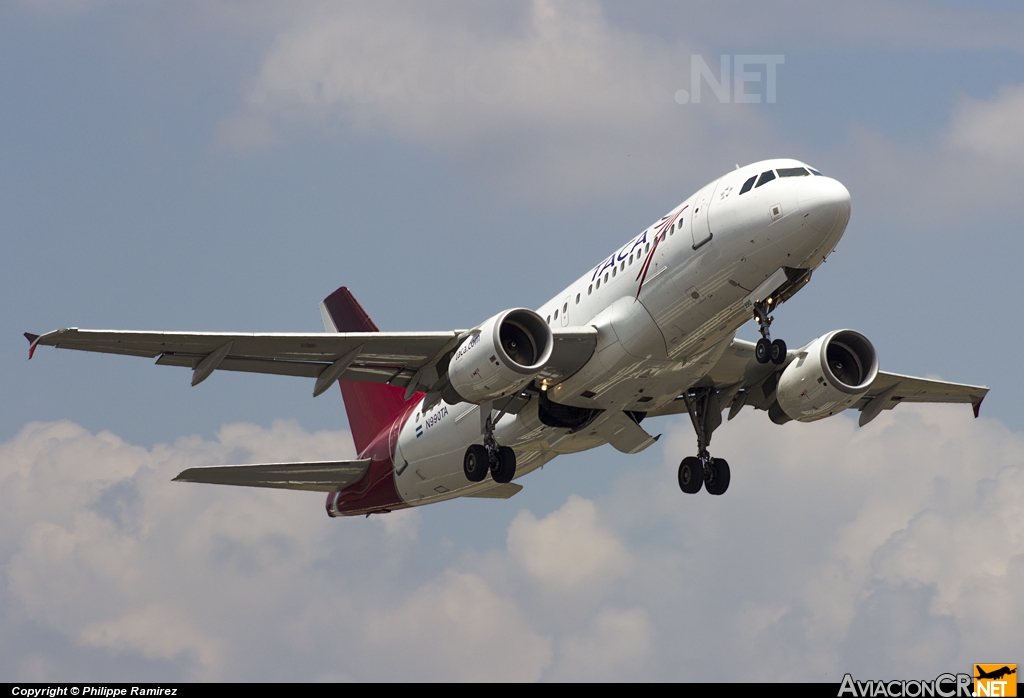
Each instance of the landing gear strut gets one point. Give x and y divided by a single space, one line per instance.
767 350
703 470
499 460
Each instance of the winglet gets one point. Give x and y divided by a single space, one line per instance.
33 340
977 405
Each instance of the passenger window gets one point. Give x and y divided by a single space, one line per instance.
577 299
565 308
556 313
590 289
792 172
549 319
765 178
622 266
647 248
613 271
598 284
748 185
606 277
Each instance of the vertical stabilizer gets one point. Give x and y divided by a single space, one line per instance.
371 407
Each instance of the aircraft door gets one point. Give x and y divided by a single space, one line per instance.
700 228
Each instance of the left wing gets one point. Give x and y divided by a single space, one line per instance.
741 381
411 360
890 389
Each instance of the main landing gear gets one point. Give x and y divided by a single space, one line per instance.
499 460
767 350
703 471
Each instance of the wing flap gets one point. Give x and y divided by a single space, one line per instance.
320 476
310 369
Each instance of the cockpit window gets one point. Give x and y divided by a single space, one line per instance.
765 178
748 185
815 172
792 172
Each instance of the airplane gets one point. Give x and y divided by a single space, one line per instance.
996 674
648 331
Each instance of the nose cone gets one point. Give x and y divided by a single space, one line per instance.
826 203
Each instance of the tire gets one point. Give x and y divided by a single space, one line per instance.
716 476
505 469
691 475
762 351
474 463
778 352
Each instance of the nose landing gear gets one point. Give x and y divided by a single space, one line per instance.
767 350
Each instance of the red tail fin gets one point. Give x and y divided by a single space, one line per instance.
371 407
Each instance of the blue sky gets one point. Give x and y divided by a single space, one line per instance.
224 166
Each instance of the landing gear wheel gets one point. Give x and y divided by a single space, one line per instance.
505 468
716 476
691 475
475 463
777 352
763 350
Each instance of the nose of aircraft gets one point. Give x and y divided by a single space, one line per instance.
825 202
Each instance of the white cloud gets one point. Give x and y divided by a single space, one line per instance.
616 645
561 100
456 627
991 129
966 174
568 548
893 550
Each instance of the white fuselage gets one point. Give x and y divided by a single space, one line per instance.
666 305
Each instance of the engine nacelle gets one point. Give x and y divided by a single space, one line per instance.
503 355
832 373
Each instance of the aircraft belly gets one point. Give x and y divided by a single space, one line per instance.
429 458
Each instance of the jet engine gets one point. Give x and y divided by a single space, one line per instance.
830 374
501 356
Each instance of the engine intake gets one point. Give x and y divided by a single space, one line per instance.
504 354
831 374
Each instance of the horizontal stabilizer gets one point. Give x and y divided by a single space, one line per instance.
321 476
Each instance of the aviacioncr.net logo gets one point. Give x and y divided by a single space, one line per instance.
942 686
995 680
